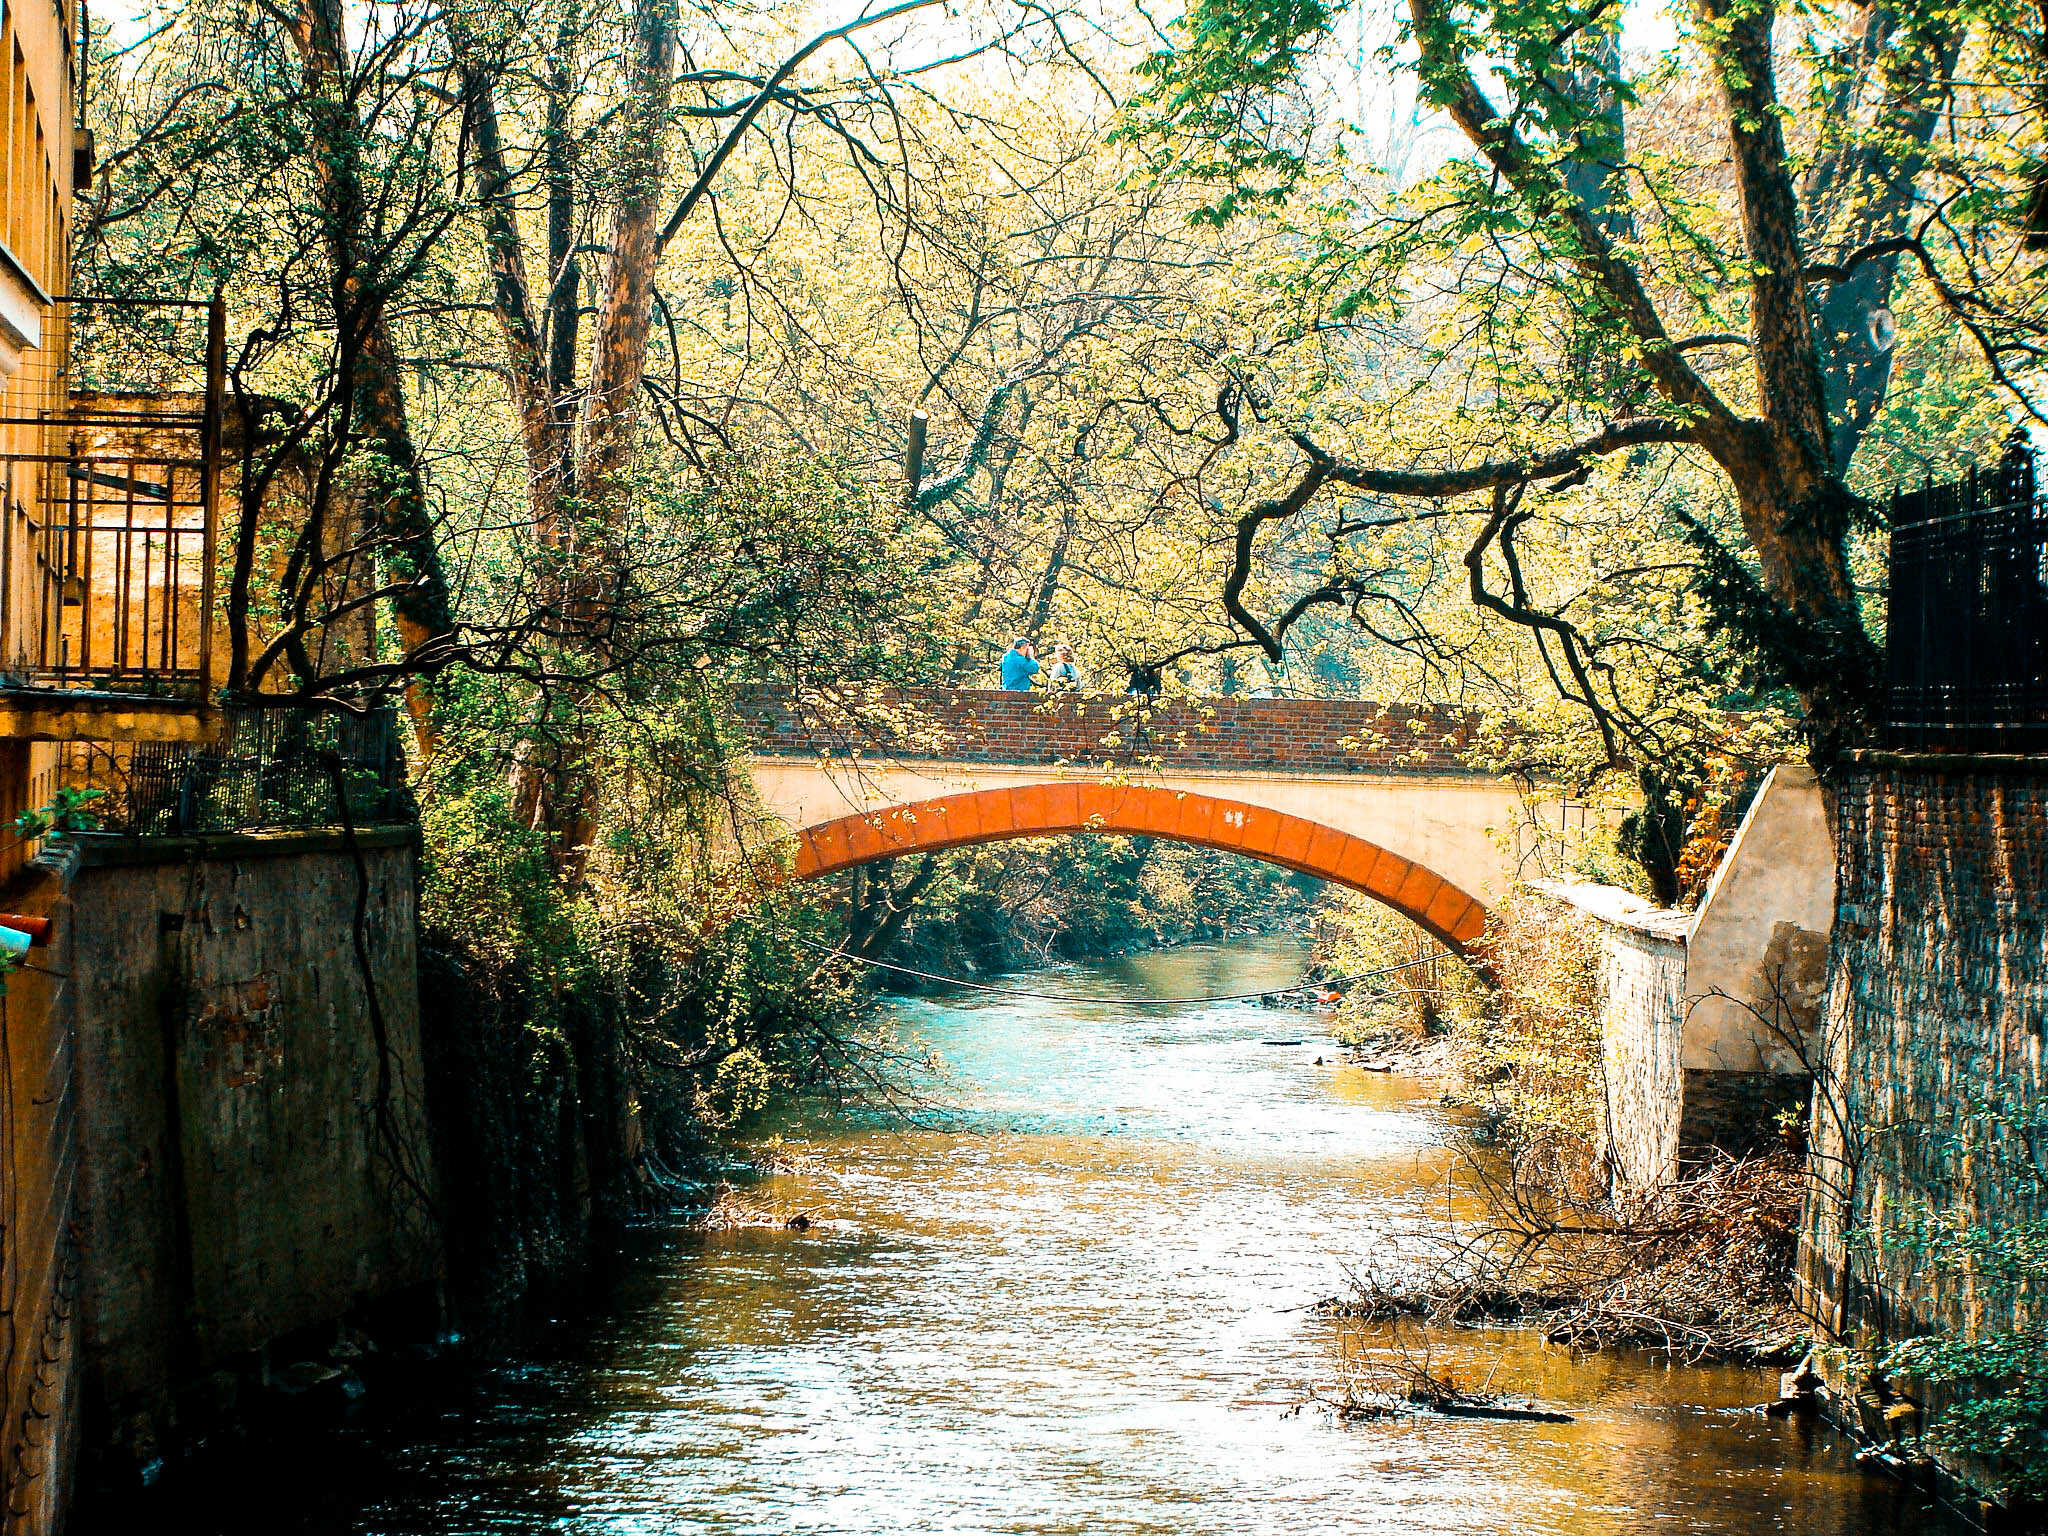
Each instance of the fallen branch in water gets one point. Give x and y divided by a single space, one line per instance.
727 1212
1461 1305
1406 1380
1530 1414
1699 1272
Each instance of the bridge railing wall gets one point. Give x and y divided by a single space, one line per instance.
975 725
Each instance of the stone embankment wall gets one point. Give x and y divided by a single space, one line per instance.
1708 1017
216 1152
1642 1029
1937 1013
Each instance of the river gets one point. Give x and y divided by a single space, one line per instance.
1078 1302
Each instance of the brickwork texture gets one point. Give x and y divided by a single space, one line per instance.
1936 1013
986 726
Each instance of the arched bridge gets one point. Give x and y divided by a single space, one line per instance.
1380 798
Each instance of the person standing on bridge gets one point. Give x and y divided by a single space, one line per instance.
1020 666
1064 677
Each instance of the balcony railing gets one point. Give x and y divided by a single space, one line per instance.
268 770
107 536
1966 643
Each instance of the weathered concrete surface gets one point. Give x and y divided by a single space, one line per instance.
1708 1017
250 1166
1756 955
1642 1030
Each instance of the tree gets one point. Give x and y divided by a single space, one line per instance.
581 437
1564 222
360 238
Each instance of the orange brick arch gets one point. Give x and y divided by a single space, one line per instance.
1039 810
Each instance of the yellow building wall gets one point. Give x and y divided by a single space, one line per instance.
35 228
38 1265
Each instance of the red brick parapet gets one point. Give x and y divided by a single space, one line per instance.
987 726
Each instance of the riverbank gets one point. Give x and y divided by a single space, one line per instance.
1428 1058
1075 1295
1701 1269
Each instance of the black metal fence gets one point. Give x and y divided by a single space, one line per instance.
1966 640
109 488
270 769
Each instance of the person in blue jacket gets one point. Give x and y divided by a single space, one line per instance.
1020 666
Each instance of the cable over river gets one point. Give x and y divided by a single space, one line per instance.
1083 1306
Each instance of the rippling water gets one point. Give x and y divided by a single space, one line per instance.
1079 1305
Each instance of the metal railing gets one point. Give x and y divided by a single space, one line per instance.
108 532
269 770
1966 639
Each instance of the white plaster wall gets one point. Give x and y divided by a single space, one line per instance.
1642 1028
1682 993
1466 828
1761 934
1642 1020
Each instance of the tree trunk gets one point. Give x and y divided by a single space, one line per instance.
401 526
1595 175
881 907
1795 506
556 788
1040 612
527 375
619 347
1806 621
1861 191
565 273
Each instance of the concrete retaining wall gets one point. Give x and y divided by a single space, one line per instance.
1756 964
1642 1029
1707 1017
251 1167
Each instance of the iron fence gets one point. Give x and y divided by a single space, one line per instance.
270 769
1966 638
108 499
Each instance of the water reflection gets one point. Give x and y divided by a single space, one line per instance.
1080 1307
